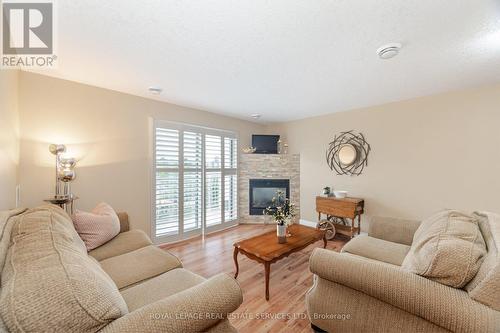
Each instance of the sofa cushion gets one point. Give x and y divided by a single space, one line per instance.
98 226
139 265
393 229
6 223
49 283
485 286
123 243
447 247
159 287
377 249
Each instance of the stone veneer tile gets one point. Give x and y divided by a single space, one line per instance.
261 166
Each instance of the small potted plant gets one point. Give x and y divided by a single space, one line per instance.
326 191
282 212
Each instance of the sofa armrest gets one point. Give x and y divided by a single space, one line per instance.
393 229
193 310
124 224
444 306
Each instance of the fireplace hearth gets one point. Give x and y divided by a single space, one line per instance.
262 191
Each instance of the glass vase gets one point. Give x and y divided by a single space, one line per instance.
281 233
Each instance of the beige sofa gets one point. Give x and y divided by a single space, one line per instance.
364 289
50 284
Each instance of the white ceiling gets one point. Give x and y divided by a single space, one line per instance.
284 59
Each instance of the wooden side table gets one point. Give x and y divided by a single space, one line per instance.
350 208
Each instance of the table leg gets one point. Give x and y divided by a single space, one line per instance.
267 267
235 257
359 224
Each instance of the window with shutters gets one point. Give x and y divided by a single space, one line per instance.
195 180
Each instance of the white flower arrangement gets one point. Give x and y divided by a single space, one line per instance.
282 210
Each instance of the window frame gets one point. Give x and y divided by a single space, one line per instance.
181 128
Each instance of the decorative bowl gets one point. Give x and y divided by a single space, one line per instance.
249 150
340 194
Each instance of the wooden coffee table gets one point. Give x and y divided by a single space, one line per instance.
266 249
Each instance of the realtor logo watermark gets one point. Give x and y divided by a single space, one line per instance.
28 34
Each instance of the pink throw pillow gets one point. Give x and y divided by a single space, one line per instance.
97 227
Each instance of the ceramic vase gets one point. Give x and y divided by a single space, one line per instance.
281 233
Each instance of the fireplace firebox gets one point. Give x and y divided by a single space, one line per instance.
262 192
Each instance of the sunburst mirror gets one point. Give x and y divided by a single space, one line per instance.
348 153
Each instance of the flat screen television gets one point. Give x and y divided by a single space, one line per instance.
265 144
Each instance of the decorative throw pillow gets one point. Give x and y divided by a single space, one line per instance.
97 227
448 248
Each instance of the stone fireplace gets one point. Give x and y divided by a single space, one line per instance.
262 191
261 175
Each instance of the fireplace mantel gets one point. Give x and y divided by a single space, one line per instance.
263 166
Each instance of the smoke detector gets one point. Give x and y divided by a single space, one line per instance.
389 51
155 90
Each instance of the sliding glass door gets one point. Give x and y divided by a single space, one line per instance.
195 180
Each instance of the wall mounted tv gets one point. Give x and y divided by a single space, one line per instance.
265 144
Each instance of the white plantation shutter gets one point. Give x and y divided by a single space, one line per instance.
213 198
230 179
192 200
193 159
167 148
230 153
213 184
167 182
195 184
213 151
167 203
231 198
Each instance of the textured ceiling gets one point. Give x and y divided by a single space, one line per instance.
284 59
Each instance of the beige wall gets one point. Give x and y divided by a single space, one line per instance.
9 141
427 154
108 132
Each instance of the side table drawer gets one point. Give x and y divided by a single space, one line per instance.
339 207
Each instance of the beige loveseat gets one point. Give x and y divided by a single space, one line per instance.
365 289
50 284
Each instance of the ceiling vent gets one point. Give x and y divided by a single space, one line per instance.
155 90
389 51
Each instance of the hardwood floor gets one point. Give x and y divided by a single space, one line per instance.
290 279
